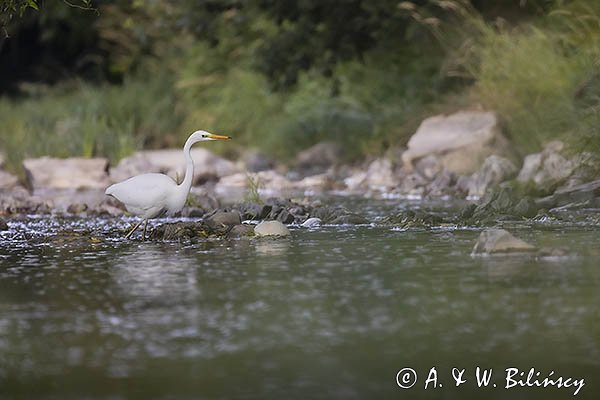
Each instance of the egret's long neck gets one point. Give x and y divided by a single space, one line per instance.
189 166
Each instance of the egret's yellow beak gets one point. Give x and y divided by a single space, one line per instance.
218 137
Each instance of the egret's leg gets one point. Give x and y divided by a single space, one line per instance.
145 226
133 230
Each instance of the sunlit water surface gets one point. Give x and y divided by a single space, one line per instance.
333 312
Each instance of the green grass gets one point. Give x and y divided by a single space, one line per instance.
542 77
78 119
530 73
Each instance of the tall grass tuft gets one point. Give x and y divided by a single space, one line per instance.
79 119
529 73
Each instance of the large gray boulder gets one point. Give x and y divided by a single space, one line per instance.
493 241
461 141
494 171
67 173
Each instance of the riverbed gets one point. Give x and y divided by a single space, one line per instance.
333 312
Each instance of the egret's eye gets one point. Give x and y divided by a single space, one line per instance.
205 135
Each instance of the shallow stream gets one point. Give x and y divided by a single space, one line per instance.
333 312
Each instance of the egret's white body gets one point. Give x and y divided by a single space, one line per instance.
151 195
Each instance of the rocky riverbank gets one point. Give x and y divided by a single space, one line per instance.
463 155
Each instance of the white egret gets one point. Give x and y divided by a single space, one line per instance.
152 195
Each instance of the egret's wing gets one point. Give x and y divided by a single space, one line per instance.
143 191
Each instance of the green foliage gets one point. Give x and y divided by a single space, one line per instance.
529 73
283 75
79 119
252 194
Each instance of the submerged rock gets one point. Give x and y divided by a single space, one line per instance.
337 215
461 141
239 231
68 173
505 203
271 228
349 219
179 231
581 195
3 225
493 241
414 219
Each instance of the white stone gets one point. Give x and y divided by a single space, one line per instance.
271 228
67 173
311 223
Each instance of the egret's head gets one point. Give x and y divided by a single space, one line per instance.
203 135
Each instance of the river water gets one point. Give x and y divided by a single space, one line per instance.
332 313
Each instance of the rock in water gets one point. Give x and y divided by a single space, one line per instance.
223 218
271 228
493 241
461 141
311 223
240 231
3 225
179 231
